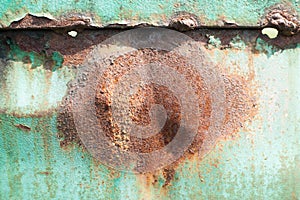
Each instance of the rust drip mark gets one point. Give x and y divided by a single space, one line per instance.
32 21
162 178
184 21
284 18
169 174
23 127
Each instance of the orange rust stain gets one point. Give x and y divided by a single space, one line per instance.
159 95
240 106
45 173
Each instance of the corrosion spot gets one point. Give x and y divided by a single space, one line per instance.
169 174
284 18
23 127
147 95
184 21
66 127
30 21
240 106
44 173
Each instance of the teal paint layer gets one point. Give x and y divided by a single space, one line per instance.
158 12
34 166
261 162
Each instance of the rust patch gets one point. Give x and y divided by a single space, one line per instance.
66 127
168 174
32 21
240 108
23 127
147 96
184 21
283 18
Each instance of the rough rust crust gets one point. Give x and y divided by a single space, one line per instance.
284 18
184 21
66 127
147 96
31 21
240 106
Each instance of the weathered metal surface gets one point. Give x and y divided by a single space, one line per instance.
41 156
101 13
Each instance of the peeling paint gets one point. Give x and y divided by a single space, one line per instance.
51 62
266 48
213 42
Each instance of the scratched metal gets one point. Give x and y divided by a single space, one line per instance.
259 160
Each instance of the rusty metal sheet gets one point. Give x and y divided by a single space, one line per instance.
240 76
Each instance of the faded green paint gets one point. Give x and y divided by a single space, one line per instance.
31 91
261 162
132 12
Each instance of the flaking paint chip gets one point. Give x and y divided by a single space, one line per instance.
72 33
270 32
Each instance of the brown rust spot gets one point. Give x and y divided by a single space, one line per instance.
23 127
32 21
147 96
44 173
284 18
168 174
184 21
66 127
240 95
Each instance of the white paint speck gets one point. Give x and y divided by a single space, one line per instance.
270 32
72 33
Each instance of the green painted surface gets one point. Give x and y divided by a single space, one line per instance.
28 91
261 162
132 12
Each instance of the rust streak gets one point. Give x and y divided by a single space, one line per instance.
23 127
